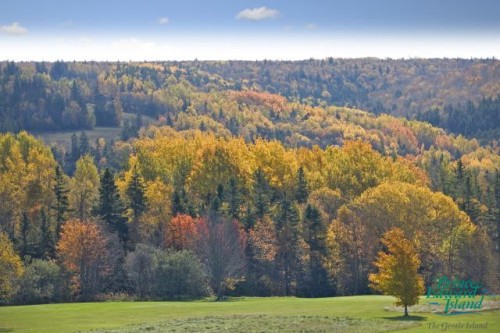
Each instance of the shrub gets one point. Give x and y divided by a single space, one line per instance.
42 282
157 274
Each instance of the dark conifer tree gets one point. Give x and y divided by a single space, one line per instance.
233 197
135 193
288 235
302 187
261 194
314 280
75 149
25 248
61 199
84 146
46 246
111 208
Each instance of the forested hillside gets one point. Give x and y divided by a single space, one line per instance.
233 190
456 94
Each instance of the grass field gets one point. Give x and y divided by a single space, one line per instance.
63 138
339 314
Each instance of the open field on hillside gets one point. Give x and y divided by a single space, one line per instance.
339 314
63 138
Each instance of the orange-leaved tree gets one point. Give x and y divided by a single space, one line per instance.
83 253
180 233
398 270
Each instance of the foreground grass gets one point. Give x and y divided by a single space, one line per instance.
339 314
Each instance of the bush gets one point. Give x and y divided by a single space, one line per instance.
180 275
42 282
157 274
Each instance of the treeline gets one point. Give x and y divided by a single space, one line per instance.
189 214
49 96
480 120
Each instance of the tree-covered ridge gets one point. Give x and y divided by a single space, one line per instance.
294 194
80 95
251 218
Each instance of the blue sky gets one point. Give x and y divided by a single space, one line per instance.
247 29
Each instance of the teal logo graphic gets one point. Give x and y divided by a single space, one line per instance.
460 295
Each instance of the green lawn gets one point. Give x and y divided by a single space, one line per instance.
339 314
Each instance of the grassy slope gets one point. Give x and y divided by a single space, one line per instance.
63 138
86 316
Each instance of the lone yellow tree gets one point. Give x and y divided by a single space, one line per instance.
398 270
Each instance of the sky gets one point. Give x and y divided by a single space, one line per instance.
122 30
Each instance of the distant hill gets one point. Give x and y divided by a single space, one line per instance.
457 94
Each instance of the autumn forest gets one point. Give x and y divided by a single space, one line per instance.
232 178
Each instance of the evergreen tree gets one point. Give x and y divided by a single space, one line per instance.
25 248
234 199
288 235
215 202
302 187
75 149
75 93
61 199
111 208
84 146
314 280
261 194
135 193
46 246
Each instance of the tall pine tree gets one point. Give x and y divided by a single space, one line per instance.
314 280
111 208
261 194
302 187
288 235
61 199
135 193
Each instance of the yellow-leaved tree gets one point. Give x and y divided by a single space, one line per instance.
398 270
11 268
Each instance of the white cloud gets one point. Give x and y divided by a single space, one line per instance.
14 29
257 14
163 20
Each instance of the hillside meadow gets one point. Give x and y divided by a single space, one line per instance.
284 314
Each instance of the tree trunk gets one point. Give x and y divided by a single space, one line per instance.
406 310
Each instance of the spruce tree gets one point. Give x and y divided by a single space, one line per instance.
314 281
233 197
302 187
135 193
84 146
25 228
46 246
75 149
61 199
111 208
288 235
261 194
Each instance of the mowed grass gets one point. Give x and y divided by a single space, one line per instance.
338 314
